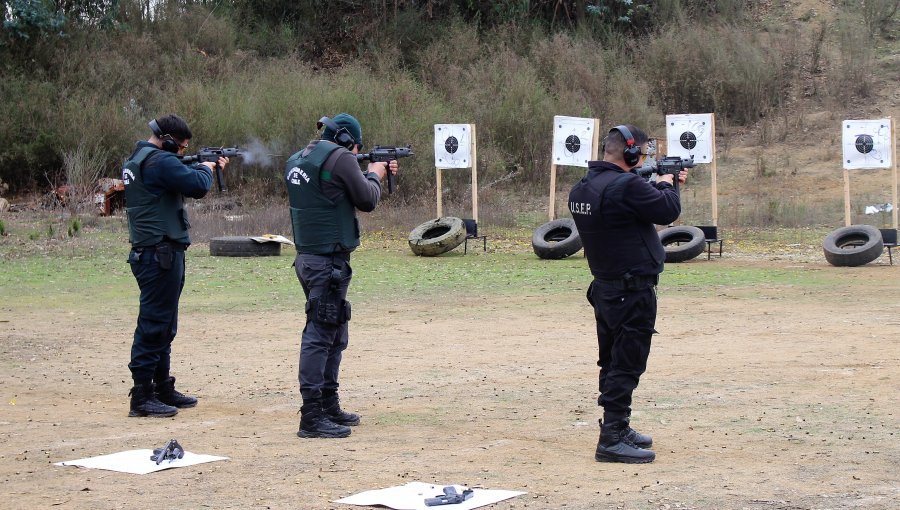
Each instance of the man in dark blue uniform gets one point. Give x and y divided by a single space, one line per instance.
326 187
616 211
156 183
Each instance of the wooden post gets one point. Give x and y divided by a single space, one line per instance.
894 172
712 176
846 198
552 191
474 175
440 193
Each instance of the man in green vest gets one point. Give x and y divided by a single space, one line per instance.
156 183
325 188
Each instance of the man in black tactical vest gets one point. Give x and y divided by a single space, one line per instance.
615 211
156 183
325 188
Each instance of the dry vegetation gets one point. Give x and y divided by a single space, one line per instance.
780 76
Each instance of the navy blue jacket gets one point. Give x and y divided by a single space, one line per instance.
164 171
616 213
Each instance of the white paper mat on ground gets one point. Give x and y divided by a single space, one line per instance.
272 238
138 462
412 497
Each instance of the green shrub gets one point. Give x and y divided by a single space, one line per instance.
851 76
877 14
29 131
74 227
728 70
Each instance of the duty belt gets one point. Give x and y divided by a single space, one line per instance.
163 244
629 282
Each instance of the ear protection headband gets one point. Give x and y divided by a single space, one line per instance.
632 153
342 136
168 143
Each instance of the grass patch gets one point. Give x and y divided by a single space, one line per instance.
89 273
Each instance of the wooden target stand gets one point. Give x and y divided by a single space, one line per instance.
595 150
471 228
661 146
893 183
711 232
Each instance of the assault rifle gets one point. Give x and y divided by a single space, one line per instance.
386 154
672 165
212 154
450 497
171 451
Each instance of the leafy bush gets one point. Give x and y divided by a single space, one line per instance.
28 134
877 14
851 76
25 20
74 227
720 69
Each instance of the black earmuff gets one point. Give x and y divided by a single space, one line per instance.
632 153
342 136
168 143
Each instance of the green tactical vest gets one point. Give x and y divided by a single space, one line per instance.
321 226
152 218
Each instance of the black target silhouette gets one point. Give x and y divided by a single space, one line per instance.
573 144
451 144
688 140
864 144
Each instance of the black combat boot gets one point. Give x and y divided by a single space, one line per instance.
640 440
314 422
332 406
167 394
145 403
614 446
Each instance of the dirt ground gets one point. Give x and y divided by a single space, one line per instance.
757 397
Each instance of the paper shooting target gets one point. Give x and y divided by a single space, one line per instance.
867 143
452 145
573 139
690 135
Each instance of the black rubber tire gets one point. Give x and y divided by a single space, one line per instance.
437 236
682 243
855 245
242 246
556 239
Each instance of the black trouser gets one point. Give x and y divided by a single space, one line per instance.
322 344
625 322
157 321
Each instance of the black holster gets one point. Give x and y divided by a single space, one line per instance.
329 308
165 254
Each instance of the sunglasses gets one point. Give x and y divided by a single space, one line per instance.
172 138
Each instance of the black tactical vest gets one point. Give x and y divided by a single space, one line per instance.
152 218
321 226
615 241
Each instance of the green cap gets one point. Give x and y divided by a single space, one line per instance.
347 121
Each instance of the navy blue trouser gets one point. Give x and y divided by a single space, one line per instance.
625 324
321 345
157 321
